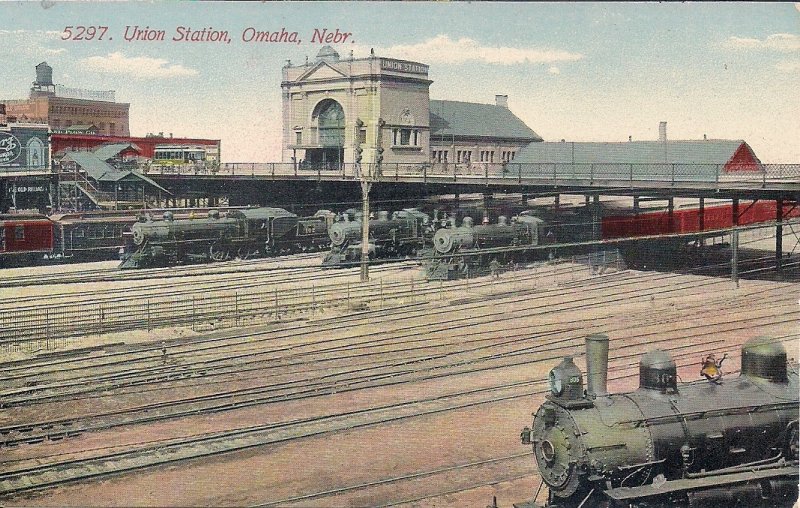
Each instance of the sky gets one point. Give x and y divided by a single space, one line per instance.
574 71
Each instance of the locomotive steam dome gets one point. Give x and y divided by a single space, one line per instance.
657 371
765 358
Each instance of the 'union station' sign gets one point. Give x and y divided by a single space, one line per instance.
401 66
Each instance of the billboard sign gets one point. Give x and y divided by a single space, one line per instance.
10 148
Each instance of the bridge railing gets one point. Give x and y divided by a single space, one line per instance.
443 172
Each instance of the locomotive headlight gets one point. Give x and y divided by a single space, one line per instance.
556 382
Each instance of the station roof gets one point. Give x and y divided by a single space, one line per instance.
106 152
101 171
469 119
712 151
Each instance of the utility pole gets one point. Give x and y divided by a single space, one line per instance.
365 188
366 185
735 257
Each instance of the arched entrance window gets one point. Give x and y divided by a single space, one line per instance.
329 117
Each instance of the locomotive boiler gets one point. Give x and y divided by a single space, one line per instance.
471 249
241 233
725 441
402 235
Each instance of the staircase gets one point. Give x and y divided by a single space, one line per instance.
77 192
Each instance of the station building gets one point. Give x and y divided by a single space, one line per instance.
67 109
342 111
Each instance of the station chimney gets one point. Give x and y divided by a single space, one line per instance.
501 100
662 132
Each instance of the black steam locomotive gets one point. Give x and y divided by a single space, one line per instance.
720 442
473 249
241 233
402 235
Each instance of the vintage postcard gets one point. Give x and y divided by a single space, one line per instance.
372 254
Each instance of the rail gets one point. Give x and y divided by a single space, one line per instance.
48 327
534 173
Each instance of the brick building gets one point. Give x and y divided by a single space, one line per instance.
61 107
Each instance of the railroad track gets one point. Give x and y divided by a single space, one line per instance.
408 312
201 446
27 370
308 363
425 288
115 274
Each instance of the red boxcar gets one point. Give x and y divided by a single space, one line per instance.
24 238
688 220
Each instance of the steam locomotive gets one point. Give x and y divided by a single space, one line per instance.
473 249
29 238
402 235
718 442
241 233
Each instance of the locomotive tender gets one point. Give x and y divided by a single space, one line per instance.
723 442
402 235
460 250
242 233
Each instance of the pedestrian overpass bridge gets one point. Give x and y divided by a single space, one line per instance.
765 181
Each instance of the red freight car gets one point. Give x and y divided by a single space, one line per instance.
688 220
24 238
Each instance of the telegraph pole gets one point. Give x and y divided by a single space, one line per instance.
365 188
366 185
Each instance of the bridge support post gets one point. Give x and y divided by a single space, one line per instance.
596 218
636 204
735 209
671 213
701 214
735 257
779 235
557 201
487 203
365 188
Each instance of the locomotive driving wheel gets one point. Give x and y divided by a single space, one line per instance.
218 252
245 253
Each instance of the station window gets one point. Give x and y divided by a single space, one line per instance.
362 136
298 137
405 137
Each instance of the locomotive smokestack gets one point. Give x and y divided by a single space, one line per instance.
596 365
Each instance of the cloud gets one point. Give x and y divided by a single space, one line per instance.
784 43
788 65
443 49
139 67
554 70
32 42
